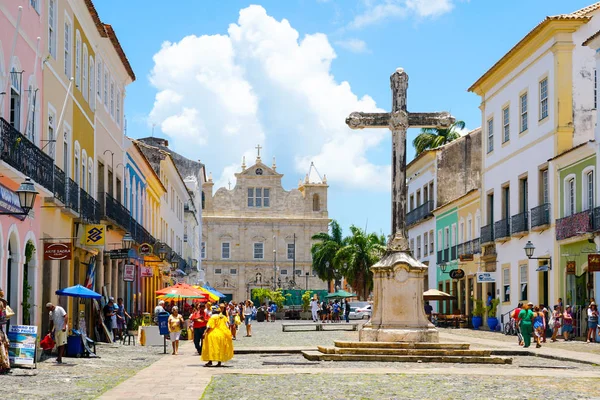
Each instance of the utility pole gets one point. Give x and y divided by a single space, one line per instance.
294 262
274 262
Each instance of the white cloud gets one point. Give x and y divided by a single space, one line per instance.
218 96
379 11
353 45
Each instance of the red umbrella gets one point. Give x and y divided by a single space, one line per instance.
182 290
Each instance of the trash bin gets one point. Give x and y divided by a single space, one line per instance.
163 323
74 346
260 316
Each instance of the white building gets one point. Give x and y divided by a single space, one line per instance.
536 102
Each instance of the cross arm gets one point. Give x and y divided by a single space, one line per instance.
361 120
440 120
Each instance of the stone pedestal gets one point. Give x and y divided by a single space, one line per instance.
398 310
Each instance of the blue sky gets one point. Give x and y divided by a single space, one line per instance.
241 76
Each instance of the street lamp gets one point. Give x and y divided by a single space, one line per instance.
443 268
162 252
307 280
127 241
27 194
530 248
274 263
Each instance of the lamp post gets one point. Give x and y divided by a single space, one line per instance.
162 252
529 250
127 241
307 280
274 264
26 194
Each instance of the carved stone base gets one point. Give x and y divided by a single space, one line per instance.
392 334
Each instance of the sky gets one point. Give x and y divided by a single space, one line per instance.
216 78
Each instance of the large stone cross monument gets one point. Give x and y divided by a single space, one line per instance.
398 279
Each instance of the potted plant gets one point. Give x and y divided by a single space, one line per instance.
306 313
492 321
279 298
478 312
133 324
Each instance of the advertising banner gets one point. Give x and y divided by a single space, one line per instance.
483 277
128 272
22 341
146 272
94 235
57 251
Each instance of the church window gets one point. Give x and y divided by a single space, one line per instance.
217 271
203 200
250 197
316 202
291 251
266 198
259 197
284 272
259 251
203 250
225 250
233 271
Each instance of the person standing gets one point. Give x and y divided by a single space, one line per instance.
314 308
556 315
175 326
218 342
539 326
158 309
199 319
121 317
347 310
526 324
248 317
109 311
59 324
336 311
592 322
428 310
515 316
4 359
567 328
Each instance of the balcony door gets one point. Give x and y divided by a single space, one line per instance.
505 202
524 196
15 99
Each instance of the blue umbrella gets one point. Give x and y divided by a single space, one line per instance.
79 291
213 291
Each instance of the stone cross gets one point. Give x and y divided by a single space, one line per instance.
398 121
258 147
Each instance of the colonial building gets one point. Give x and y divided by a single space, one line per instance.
537 102
257 234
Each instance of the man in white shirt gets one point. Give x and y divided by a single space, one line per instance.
158 309
59 323
314 307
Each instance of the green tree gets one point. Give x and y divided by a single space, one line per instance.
359 253
431 138
324 251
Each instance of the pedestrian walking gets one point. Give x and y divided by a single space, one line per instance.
314 308
567 327
109 312
272 310
515 316
336 311
59 325
539 325
347 310
592 322
248 309
199 319
555 322
217 341
122 317
526 324
4 360
175 326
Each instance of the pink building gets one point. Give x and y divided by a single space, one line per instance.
22 52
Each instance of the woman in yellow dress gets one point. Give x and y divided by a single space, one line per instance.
217 342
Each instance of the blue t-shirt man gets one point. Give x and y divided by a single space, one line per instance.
336 308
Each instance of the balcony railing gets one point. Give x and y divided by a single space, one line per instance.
421 212
540 216
72 195
520 223
487 234
60 186
469 247
89 208
115 211
502 229
596 219
24 156
574 225
476 246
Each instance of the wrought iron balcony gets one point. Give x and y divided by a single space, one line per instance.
469 247
574 225
89 208
520 223
60 186
487 234
502 229
72 195
420 213
476 246
116 212
540 217
596 219
24 156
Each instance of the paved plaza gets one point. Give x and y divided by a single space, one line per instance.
269 366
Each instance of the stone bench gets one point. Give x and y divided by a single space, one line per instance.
352 326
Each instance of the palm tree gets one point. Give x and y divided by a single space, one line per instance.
360 252
431 138
324 251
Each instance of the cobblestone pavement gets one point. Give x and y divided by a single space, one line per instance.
396 386
78 378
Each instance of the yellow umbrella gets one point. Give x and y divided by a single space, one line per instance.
213 298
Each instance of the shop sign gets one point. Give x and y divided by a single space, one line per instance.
457 274
57 251
9 202
571 268
119 254
466 257
128 272
21 344
593 262
484 277
145 249
146 272
94 235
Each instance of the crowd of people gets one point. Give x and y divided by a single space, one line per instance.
537 321
329 311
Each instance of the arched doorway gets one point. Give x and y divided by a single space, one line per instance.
29 286
12 276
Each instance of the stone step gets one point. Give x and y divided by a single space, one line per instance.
401 345
414 352
318 356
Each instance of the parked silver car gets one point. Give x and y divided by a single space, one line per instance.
360 310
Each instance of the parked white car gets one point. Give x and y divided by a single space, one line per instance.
360 310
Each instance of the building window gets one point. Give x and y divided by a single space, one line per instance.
440 241
425 244
90 176
217 271
446 238
291 251
589 180
258 197
92 92
36 5
76 164
543 98
506 125
316 202
412 246
52 28
105 87
68 61
431 248
259 253
490 132
225 251
77 60
203 250
523 105
85 71
99 79
544 183
418 246
595 89
283 272
118 110
570 192
506 281
523 282
112 99
233 271
51 134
